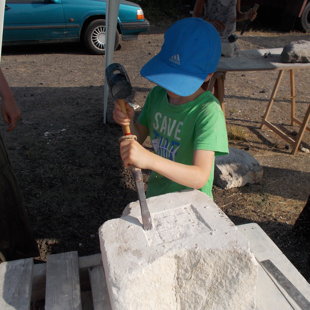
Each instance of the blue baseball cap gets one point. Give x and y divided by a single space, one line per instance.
191 51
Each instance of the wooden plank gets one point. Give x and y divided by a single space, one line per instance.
302 130
15 284
87 300
293 96
299 122
99 288
279 132
90 261
38 281
39 275
273 96
85 262
62 282
264 250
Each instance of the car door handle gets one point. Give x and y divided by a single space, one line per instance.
7 7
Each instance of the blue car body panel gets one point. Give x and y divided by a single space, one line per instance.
33 22
56 20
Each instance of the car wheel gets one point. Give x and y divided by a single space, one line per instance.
95 37
305 18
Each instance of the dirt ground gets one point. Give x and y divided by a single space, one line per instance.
67 161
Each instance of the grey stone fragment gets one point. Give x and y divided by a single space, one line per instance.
236 169
296 51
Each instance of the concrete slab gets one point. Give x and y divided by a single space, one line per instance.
193 258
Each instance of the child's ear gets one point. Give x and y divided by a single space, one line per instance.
209 77
205 85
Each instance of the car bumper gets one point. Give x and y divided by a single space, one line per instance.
135 27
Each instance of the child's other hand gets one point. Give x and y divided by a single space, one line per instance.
134 154
120 117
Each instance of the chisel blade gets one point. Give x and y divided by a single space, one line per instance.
145 213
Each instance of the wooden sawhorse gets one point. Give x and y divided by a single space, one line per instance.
264 60
303 123
216 85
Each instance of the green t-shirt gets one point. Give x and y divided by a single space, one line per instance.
176 131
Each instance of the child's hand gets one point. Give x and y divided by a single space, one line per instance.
120 117
134 154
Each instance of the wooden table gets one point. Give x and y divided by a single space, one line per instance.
265 60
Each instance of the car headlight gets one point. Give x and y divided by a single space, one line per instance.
140 14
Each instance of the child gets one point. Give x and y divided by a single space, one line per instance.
185 122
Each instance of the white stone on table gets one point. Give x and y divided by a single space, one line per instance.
296 51
193 258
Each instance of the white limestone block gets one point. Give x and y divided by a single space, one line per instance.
193 258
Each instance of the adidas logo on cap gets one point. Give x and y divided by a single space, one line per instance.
175 59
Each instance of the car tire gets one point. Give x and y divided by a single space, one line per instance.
305 18
95 37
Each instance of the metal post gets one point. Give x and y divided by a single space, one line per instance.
111 24
2 7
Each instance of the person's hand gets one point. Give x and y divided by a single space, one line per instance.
219 26
251 14
10 113
134 154
120 117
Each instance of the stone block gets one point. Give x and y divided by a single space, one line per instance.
193 258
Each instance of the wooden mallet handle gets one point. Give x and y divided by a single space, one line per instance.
126 128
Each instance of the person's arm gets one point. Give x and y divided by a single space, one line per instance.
9 109
193 176
199 8
199 12
248 15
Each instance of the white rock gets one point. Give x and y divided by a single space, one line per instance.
193 258
296 51
236 169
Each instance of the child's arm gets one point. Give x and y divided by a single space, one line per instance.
193 176
134 154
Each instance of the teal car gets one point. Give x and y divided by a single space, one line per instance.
44 21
